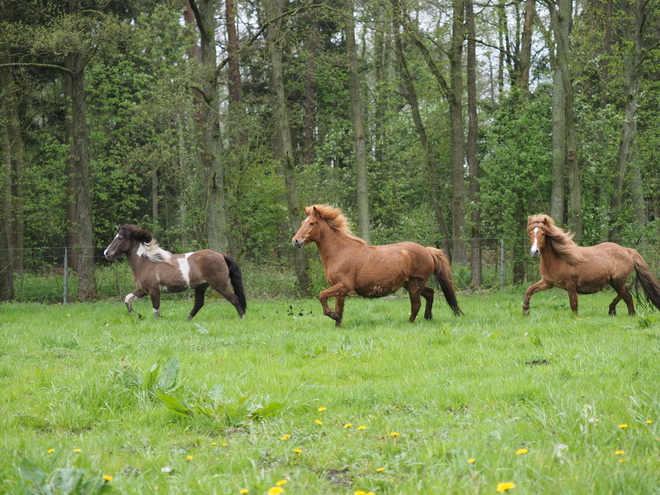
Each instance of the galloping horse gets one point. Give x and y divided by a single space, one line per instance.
585 270
156 270
372 271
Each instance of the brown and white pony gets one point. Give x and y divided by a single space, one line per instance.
156 270
585 270
372 271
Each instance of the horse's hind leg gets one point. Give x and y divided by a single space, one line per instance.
622 293
427 293
232 298
199 300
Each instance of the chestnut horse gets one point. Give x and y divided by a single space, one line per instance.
156 270
372 271
585 270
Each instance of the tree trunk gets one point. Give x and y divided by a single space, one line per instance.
557 196
526 48
431 167
562 19
210 144
283 135
457 139
632 66
71 210
84 228
472 156
15 199
359 130
6 273
309 104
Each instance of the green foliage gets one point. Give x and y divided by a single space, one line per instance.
73 480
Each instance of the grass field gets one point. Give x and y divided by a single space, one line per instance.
283 401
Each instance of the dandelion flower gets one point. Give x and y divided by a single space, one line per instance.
77 450
318 422
224 444
348 425
471 460
190 458
380 469
395 434
649 422
281 482
107 478
276 490
214 443
620 452
623 426
244 491
622 460
50 451
508 485
360 492
285 437
321 409
298 451
521 451
362 427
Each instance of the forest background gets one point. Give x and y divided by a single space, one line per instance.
212 123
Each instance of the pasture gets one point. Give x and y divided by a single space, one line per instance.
285 402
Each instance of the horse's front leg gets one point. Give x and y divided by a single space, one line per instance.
572 297
133 295
533 289
155 301
339 292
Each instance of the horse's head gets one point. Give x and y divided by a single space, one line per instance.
537 226
309 228
123 240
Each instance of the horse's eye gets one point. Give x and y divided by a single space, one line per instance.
312 223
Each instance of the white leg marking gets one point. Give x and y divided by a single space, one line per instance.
156 313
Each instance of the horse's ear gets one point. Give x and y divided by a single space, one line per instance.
544 220
315 211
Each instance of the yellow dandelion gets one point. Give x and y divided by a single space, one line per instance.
362 427
214 443
50 451
395 434
348 425
471 460
298 451
622 460
508 485
318 422
623 426
190 458
224 444
281 482
276 490
107 478
244 491
521 451
77 450
620 452
649 422
380 469
321 409
360 492
285 437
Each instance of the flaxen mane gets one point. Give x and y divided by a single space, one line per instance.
148 245
559 240
335 219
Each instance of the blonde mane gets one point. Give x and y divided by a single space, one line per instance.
335 220
154 252
558 239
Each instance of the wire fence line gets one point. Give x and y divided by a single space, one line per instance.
269 270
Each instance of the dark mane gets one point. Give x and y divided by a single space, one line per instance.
148 245
559 240
335 219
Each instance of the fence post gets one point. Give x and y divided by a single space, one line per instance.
66 275
502 264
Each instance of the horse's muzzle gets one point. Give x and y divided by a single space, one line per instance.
534 252
298 242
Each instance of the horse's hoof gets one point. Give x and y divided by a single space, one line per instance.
139 316
525 312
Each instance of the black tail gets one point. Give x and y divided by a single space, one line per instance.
646 279
443 275
236 278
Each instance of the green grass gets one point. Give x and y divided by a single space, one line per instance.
431 396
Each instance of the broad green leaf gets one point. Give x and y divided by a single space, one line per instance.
174 404
170 372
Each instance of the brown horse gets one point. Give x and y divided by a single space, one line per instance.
585 270
372 271
156 270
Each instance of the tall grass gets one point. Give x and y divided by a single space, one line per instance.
551 402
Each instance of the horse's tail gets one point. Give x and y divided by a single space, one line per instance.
236 278
645 278
442 272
